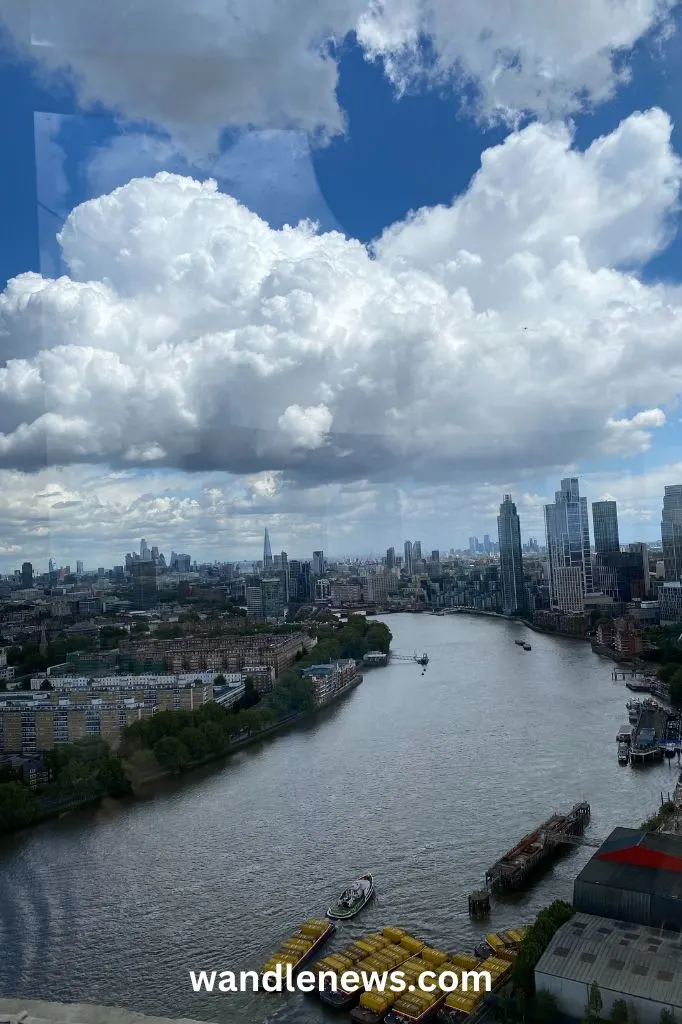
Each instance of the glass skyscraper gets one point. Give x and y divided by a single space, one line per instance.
511 560
605 525
671 532
568 547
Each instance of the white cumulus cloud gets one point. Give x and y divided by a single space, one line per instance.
196 67
506 332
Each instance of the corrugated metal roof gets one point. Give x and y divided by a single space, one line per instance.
625 958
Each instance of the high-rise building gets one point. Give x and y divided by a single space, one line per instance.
390 558
671 532
27 575
568 547
145 587
267 551
487 546
511 560
435 555
407 564
145 553
416 551
79 568
473 545
643 551
300 586
318 563
605 527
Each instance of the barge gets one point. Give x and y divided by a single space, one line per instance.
301 947
512 870
380 951
462 1005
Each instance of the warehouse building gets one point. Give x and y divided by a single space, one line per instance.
634 877
638 964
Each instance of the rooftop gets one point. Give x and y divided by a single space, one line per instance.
629 959
644 862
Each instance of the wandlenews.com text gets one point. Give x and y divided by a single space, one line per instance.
282 979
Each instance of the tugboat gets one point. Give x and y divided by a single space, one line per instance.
527 647
353 899
520 642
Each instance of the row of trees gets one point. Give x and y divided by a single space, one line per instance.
621 1011
79 772
667 653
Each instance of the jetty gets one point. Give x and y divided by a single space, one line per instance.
512 870
648 735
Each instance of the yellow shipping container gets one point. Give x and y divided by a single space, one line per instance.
392 934
314 926
411 944
434 956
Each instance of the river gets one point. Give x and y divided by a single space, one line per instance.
424 780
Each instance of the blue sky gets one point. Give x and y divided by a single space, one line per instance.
398 153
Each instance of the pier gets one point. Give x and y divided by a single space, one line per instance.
648 735
512 870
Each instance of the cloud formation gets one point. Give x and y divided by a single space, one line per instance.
194 69
504 332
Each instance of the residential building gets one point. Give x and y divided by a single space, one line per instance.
407 563
568 546
605 527
511 559
670 603
27 575
329 679
390 558
671 532
217 654
643 551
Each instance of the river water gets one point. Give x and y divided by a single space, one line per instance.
424 780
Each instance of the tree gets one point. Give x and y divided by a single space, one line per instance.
171 753
220 680
46 684
619 1012
17 806
594 1005
544 1008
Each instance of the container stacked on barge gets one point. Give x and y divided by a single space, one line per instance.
375 1005
384 951
461 1005
418 1006
303 945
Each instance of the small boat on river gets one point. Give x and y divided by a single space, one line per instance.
353 899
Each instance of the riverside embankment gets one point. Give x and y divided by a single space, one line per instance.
424 780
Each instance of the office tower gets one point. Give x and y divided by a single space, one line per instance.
27 575
318 563
145 587
605 525
511 560
155 552
407 565
273 598
145 553
267 551
621 575
643 551
79 568
473 545
416 551
300 586
671 532
51 566
435 556
568 547
390 558
487 546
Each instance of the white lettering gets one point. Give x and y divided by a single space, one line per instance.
350 981
203 980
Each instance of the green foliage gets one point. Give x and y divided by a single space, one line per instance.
46 685
667 811
85 770
594 1005
619 1012
171 753
535 943
17 806
544 1008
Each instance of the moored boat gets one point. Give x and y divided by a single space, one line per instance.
520 642
353 899
303 945
527 647
417 1006
623 753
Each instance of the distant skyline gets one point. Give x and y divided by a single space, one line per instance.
374 271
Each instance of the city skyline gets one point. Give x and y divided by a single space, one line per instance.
333 365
